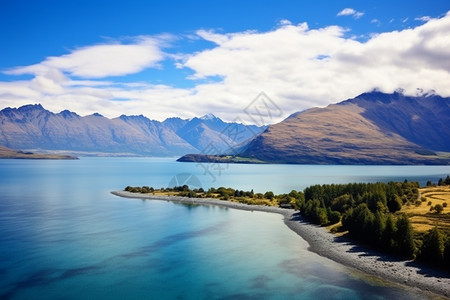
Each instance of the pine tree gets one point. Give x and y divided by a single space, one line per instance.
405 241
379 225
447 254
447 180
388 242
433 246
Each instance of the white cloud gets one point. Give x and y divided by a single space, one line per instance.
376 22
211 36
100 61
285 22
350 12
300 67
297 67
423 19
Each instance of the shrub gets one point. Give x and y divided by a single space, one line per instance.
314 212
438 208
394 204
429 203
444 204
136 190
333 216
342 203
269 195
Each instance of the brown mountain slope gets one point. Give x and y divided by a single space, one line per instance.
339 134
422 120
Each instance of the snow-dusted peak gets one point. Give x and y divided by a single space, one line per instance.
209 116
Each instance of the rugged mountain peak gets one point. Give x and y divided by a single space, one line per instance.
373 97
31 107
134 117
174 119
66 114
209 116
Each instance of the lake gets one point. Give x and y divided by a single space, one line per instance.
64 236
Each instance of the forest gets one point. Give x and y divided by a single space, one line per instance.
370 212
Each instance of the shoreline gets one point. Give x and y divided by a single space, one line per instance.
339 249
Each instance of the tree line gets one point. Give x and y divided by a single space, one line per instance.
291 200
441 182
370 213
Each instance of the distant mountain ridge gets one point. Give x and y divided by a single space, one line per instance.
34 127
373 128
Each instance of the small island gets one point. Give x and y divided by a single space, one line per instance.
8 153
223 159
398 231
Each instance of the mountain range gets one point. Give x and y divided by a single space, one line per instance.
32 127
373 128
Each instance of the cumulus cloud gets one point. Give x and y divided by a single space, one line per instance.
350 12
100 61
302 67
297 67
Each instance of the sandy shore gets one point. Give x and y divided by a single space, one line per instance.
339 249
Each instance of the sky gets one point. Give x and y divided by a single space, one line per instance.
231 58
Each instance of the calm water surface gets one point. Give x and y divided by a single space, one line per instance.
64 236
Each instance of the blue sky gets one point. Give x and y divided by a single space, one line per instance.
188 58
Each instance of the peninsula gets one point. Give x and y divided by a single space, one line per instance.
17 154
341 247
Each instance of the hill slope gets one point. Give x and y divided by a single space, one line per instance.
373 128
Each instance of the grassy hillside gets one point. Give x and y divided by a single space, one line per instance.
10 153
422 219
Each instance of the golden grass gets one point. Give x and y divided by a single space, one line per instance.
160 193
244 200
337 229
420 216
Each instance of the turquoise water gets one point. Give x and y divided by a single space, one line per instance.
64 236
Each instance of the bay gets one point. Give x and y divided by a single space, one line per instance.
64 236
